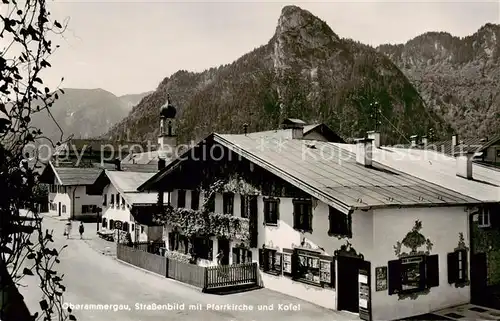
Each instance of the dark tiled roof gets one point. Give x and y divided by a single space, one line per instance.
140 168
332 175
77 176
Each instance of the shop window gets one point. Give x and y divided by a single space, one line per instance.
270 261
413 274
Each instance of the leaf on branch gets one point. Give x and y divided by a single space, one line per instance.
14 228
38 80
31 256
72 317
27 271
44 305
44 64
4 123
5 249
57 24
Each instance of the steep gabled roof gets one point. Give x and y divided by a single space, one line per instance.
321 129
331 174
126 183
69 176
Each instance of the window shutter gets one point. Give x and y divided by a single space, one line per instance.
432 262
261 259
278 211
310 219
452 267
295 216
465 266
394 270
266 211
243 206
495 216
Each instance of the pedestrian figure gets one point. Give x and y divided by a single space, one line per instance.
81 229
68 228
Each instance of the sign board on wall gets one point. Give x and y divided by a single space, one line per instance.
364 295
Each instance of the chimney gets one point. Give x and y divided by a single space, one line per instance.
454 140
296 126
161 163
245 129
376 138
464 163
364 151
414 140
297 132
425 141
118 165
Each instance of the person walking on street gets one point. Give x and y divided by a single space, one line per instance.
81 229
68 228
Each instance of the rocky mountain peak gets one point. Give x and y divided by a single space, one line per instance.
302 36
302 27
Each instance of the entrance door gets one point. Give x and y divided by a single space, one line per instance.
478 277
59 209
348 283
223 245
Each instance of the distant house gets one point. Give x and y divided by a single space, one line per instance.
486 150
331 226
68 191
298 129
125 208
87 151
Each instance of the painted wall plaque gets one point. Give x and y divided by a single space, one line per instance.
325 271
381 278
364 295
287 264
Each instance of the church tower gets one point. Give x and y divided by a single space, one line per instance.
167 140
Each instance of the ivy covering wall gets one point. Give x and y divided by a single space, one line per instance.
202 222
487 240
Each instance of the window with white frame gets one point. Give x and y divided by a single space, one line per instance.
484 217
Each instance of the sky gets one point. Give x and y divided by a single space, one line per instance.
128 47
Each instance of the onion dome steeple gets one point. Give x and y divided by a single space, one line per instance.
168 110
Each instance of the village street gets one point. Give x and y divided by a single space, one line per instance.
94 278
